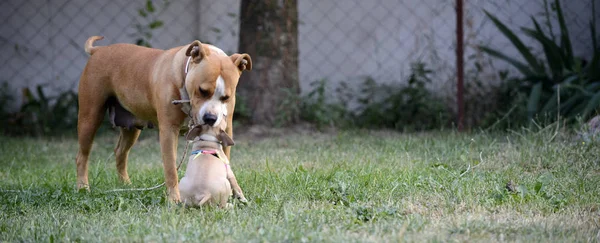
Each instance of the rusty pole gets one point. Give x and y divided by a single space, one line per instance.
460 65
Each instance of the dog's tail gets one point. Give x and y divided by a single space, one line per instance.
89 49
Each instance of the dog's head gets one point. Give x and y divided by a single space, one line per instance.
211 81
211 133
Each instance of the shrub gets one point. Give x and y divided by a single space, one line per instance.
407 107
40 114
318 108
561 85
402 107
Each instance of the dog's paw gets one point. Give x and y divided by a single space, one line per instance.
173 200
244 200
83 188
125 180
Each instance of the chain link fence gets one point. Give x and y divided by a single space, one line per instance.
42 41
341 40
351 41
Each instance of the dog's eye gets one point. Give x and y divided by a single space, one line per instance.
204 93
225 98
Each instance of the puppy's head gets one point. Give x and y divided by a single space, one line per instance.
211 82
211 133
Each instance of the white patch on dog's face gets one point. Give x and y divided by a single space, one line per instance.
215 106
217 50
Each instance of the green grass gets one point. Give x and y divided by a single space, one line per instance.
353 186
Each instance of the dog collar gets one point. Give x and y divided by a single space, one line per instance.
186 106
211 151
187 64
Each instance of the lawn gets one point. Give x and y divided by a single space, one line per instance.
346 186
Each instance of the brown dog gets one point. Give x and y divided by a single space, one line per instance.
209 178
137 85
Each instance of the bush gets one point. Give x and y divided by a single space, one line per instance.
39 114
561 85
406 107
242 113
6 98
317 108
410 107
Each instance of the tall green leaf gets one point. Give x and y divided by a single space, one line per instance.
594 40
534 100
593 68
522 67
592 105
524 50
551 105
593 87
565 42
593 29
577 89
548 22
578 108
567 107
569 78
551 50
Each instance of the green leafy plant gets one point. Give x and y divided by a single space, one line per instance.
561 84
403 107
242 113
41 114
289 109
317 107
149 22
6 98
410 107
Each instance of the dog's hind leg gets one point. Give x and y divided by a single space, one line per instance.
202 199
223 200
127 139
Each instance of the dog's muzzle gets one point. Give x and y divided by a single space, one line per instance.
209 119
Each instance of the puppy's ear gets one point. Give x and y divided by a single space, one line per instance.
192 134
225 139
196 51
242 61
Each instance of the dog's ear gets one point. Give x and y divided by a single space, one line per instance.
242 61
196 51
225 139
192 134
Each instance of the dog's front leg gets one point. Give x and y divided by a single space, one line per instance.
229 128
168 145
237 190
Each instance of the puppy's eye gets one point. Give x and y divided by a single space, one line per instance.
204 93
225 98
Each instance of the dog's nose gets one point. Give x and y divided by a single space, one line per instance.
209 119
